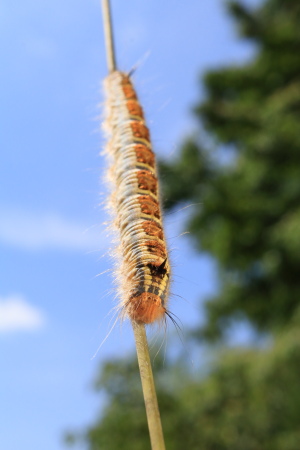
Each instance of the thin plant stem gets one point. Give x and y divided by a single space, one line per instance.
152 410
109 41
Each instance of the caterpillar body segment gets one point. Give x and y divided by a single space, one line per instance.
144 270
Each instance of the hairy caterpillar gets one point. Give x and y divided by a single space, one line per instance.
144 268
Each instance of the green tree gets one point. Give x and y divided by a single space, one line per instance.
249 218
249 221
124 424
249 401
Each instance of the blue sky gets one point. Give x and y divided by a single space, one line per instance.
53 306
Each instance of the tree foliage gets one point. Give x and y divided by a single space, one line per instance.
250 401
249 218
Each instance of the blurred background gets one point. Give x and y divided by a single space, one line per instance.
220 85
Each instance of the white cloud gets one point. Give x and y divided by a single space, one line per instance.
16 314
34 231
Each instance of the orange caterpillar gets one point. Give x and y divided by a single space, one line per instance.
144 268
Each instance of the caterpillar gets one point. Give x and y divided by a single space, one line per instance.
144 270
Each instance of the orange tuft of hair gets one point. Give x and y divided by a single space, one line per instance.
146 308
